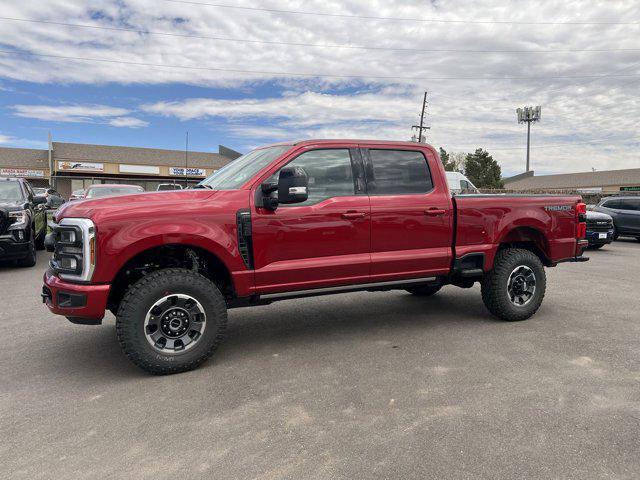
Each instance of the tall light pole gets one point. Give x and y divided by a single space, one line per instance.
529 115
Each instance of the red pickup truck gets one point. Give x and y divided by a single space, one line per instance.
292 220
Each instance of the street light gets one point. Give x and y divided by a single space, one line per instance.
529 115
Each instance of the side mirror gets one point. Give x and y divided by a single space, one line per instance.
39 200
293 185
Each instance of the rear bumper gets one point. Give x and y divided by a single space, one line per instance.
80 303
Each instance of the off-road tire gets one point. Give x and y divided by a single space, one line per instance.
424 290
31 259
494 285
143 294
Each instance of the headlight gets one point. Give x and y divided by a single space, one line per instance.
18 219
74 245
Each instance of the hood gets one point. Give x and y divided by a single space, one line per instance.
595 216
11 206
122 204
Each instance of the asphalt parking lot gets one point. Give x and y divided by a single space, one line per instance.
366 385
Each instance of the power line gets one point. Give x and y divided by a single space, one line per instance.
397 19
315 45
301 74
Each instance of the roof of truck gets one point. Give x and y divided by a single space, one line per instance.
314 141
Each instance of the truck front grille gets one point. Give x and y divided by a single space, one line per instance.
599 226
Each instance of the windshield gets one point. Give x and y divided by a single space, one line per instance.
112 191
10 192
236 173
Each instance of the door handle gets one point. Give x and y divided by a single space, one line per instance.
353 215
433 212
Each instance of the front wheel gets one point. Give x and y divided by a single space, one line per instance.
514 289
171 321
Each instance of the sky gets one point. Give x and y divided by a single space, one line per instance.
243 74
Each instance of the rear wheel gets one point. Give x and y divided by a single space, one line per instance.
424 290
171 321
515 288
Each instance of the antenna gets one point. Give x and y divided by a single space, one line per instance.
529 115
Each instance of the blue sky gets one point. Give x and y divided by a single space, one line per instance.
154 69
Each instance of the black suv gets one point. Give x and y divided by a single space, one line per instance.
625 212
23 221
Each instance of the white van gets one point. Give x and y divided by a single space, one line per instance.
458 183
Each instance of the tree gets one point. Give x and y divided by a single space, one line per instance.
457 159
483 170
444 158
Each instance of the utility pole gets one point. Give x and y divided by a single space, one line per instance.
421 127
186 160
529 115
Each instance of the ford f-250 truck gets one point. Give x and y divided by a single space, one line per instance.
292 220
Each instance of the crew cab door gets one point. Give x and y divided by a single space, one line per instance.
411 213
323 241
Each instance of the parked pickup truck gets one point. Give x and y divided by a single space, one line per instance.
293 220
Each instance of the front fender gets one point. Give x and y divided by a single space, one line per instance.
118 245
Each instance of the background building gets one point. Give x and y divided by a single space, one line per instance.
73 166
606 181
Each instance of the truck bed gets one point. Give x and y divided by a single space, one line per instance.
484 221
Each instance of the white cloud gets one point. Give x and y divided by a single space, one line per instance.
5 139
463 114
80 114
128 122
68 113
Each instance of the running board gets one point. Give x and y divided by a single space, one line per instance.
396 284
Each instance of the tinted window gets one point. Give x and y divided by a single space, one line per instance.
329 171
611 204
631 204
399 172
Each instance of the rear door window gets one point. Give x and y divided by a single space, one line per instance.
631 204
612 204
398 172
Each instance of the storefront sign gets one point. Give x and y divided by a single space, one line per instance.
145 169
630 189
191 172
21 172
80 166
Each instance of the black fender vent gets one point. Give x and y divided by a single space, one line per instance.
245 241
